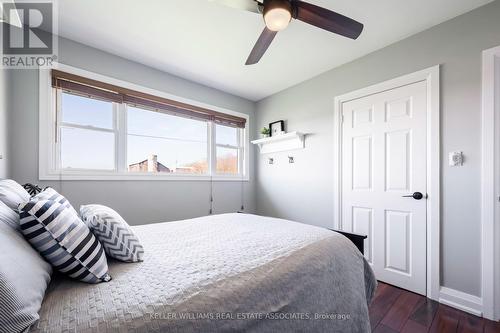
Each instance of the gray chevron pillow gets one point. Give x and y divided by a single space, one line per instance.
113 232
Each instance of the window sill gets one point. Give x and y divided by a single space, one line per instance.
135 177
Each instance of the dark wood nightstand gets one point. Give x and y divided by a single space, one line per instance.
358 240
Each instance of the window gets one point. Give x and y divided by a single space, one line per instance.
228 149
158 142
107 133
86 129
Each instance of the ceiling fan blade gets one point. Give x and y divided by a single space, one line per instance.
327 19
248 5
265 39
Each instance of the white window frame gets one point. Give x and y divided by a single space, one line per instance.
49 131
60 124
240 147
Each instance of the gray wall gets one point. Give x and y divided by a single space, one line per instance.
139 202
3 124
304 191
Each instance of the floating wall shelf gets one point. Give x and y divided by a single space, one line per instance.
282 142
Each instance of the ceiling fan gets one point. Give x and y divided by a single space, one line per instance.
278 14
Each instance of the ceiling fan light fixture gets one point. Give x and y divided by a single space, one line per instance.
277 14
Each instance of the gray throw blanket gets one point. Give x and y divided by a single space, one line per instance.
224 273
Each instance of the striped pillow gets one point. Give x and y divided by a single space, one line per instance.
14 315
55 230
24 278
8 216
115 235
51 194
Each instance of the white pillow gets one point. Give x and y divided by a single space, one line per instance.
24 277
8 216
12 194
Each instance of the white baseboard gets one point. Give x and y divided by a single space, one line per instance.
462 301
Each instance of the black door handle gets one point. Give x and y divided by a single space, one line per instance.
416 196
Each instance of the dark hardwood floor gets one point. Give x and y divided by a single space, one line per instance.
397 310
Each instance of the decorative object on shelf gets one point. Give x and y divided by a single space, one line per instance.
291 159
283 142
271 160
265 132
277 128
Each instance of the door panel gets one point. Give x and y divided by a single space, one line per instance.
397 241
362 163
362 223
398 109
384 155
362 116
397 165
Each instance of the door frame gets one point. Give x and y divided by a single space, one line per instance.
431 76
490 178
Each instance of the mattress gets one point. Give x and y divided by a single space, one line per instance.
222 273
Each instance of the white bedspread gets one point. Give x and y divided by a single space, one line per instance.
210 267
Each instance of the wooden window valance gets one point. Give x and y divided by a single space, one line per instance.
109 92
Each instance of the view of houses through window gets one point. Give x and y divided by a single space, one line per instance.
154 142
159 142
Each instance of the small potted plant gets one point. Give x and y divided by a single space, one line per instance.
265 132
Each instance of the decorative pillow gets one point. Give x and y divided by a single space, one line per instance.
32 189
55 230
12 194
24 277
8 216
49 194
113 232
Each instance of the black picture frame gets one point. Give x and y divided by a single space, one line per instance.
281 123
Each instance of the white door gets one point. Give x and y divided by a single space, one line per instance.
383 162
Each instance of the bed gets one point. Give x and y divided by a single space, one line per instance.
222 273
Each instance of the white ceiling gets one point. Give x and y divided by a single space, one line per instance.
209 43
